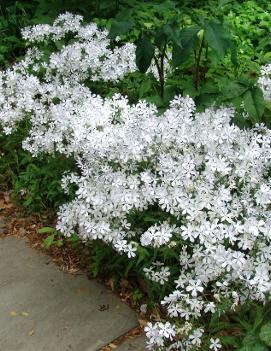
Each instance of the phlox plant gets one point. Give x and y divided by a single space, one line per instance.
265 81
200 184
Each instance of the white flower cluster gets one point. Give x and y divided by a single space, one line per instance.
157 273
87 55
264 81
209 179
156 333
62 25
209 175
35 85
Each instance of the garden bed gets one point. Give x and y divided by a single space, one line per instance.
148 138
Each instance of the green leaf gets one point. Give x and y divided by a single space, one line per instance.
120 27
161 38
257 315
74 238
155 99
176 55
59 44
254 347
59 243
263 43
267 114
172 31
246 325
254 103
230 340
142 255
265 333
218 38
145 87
128 268
44 230
144 53
221 326
182 51
241 122
189 88
169 93
233 89
234 58
28 202
49 241
251 342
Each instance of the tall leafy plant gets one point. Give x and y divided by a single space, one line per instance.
177 45
198 41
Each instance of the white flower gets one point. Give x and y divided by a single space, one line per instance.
215 344
143 308
157 235
210 307
157 273
265 81
195 337
194 287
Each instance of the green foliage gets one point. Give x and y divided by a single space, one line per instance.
136 295
244 94
251 342
207 53
220 40
144 53
254 103
255 321
118 28
265 333
12 19
54 237
247 328
182 49
44 230
156 45
36 182
12 155
37 185
105 262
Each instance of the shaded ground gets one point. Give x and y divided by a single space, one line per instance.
45 308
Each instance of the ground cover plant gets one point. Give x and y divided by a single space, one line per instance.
178 190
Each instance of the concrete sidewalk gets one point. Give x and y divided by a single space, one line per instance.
45 309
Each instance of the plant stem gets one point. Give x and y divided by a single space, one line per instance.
160 65
162 77
160 69
197 67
